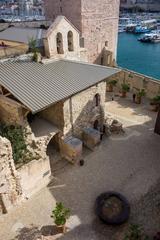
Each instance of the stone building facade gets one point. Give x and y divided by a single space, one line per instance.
97 22
11 112
78 112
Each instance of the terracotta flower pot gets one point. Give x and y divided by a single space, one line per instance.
138 100
61 228
154 107
110 88
124 94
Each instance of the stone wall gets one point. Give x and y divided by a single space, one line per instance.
31 24
11 112
100 27
97 21
139 81
16 185
80 110
54 114
12 49
50 42
34 176
10 188
71 9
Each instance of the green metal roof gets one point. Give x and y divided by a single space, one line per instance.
39 85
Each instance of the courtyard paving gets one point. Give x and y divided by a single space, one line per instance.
128 163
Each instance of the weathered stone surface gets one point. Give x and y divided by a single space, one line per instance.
10 189
31 24
113 126
16 185
137 81
36 173
91 137
97 21
11 111
52 48
71 149
80 111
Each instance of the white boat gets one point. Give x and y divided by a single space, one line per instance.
153 37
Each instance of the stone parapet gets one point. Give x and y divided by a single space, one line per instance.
138 81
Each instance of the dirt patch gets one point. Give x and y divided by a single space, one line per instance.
112 207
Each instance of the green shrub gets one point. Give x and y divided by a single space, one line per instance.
141 93
60 214
135 232
32 48
112 82
156 99
125 87
15 135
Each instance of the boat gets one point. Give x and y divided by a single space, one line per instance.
156 39
140 29
146 38
121 29
150 24
153 37
130 28
123 22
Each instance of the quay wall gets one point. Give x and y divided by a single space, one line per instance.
31 24
138 81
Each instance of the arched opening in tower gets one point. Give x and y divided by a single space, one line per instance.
59 40
70 41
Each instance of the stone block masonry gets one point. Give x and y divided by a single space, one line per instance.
18 184
11 112
10 188
138 81
97 20
80 111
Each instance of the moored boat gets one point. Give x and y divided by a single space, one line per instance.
153 37
140 29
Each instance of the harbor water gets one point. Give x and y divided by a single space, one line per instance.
137 56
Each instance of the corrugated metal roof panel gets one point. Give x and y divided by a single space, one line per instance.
39 85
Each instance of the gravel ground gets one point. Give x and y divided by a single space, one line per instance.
128 163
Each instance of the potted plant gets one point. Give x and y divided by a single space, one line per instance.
125 89
60 214
155 103
111 84
33 49
141 93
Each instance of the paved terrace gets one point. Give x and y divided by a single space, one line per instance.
128 163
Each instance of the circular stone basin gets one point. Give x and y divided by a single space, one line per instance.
112 208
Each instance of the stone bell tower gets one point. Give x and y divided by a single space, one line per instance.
97 21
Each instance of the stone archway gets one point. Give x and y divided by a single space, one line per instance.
53 151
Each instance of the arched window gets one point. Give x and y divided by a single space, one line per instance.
70 41
59 43
97 99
